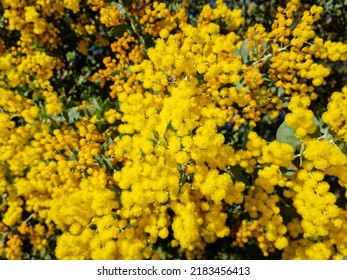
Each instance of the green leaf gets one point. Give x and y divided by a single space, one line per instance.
97 102
120 9
281 92
288 171
102 126
135 25
325 131
55 121
168 127
244 51
89 112
73 156
266 47
97 81
106 105
118 31
317 133
98 113
105 145
70 102
114 73
104 161
70 56
239 85
37 47
153 142
127 3
317 239
149 42
288 212
237 174
43 253
156 135
286 134
73 115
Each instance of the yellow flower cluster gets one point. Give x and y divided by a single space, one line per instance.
322 220
31 69
263 206
303 31
307 189
33 21
233 18
253 230
335 50
256 35
156 164
13 247
300 117
322 154
126 52
281 26
160 141
293 57
73 5
315 204
280 154
13 213
110 16
336 116
155 17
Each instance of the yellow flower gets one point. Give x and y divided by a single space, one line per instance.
31 14
13 214
72 5
336 116
319 251
277 153
164 33
281 243
302 120
323 154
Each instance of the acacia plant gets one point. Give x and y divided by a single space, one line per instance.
173 129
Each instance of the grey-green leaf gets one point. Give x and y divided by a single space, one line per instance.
244 51
73 114
286 134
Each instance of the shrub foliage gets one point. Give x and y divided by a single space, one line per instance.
173 129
